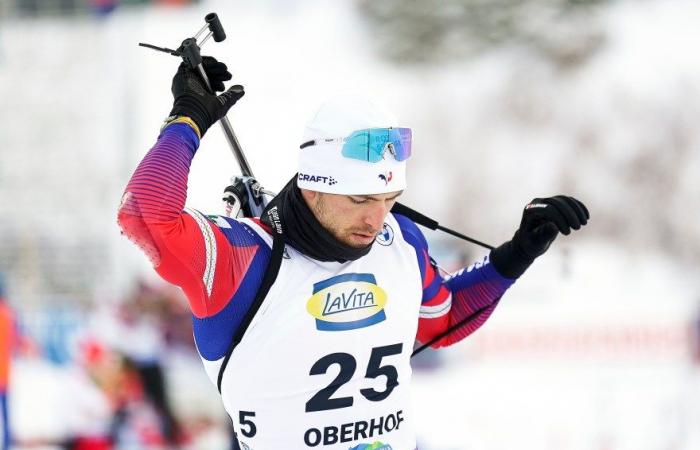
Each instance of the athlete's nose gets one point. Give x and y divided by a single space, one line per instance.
375 215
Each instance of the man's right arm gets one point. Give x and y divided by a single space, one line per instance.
185 248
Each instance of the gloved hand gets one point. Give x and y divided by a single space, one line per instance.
543 219
194 101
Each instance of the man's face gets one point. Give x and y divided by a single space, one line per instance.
354 220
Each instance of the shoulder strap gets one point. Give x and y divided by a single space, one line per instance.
271 272
422 219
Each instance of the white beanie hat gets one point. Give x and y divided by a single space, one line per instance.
322 166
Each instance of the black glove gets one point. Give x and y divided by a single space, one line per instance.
194 101
543 219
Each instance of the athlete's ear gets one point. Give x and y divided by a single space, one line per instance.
309 196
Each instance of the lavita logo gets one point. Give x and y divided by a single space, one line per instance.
347 302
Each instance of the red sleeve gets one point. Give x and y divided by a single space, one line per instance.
466 299
186 249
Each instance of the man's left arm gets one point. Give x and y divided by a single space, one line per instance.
471 295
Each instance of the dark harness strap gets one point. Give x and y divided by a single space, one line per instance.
273 268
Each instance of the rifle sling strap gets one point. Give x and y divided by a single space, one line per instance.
273 269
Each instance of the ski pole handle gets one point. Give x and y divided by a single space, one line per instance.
190 52
215 27
192 56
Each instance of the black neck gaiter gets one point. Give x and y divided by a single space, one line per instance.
304 232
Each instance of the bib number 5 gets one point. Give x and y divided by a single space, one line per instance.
322 401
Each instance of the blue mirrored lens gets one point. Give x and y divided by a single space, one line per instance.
357 146
401 138
372 144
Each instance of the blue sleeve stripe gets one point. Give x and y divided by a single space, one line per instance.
481 272
431 291
183 131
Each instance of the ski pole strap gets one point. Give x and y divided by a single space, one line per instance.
273 268
450 330
466 238
400 208
422 219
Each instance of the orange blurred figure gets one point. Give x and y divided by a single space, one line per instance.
8 341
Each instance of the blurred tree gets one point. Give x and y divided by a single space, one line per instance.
431 31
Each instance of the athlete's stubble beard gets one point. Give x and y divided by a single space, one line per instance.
335 227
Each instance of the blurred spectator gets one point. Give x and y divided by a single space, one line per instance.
73 7
108 372
142 343
176 320
103 7
8 341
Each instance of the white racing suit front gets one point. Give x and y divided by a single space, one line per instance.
325 362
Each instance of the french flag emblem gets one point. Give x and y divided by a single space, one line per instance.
386 177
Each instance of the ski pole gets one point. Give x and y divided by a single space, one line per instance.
190 52
245 195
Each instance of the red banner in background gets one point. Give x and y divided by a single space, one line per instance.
627 343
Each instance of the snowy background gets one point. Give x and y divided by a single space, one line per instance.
595 348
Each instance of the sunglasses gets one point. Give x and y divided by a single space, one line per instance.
372 144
